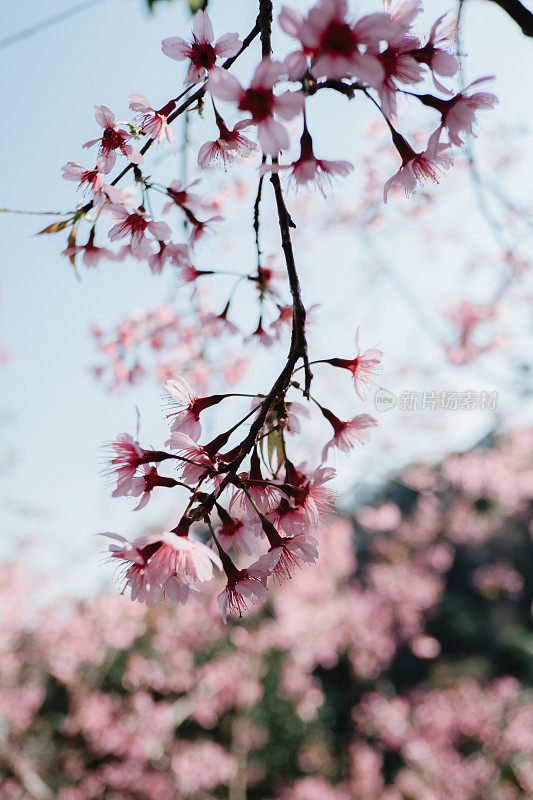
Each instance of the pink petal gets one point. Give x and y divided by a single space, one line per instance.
202 27
223 85
177 48
104 117
228 45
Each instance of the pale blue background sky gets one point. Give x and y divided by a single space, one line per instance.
54 415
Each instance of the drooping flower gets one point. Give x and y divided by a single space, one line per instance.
127 457
113 138
308 169
364 367
135 225
181 196
417 167
260 102
433 54
230 145
337 48
202 52
235 532
399 66
92 255
153 123
186 418
198 461
347 434
92 179
308 491
181 556
144 484
458 114
291 551
246 585
144 583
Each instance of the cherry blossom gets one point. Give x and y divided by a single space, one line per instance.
93 179
364 367
308 492
92 254
153 123
459 112
177 555
247 585
308 170
201 51
230 145
136 225
346 434
438 59
260 101
127 457
291 551
335 44
417 167
236 532
187 419
113 138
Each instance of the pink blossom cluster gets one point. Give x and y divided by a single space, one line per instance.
105 697
267 510
246 495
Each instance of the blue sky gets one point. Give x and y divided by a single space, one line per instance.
53 414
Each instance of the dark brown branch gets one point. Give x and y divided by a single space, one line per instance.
256 214
298 340
519 13
265 24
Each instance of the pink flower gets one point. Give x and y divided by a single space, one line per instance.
399 66
181 196
262 493
283 321
138 575
439 61
260 101
230 145
308 492
291 551
346 434
201 227
153 123
459 113
246 585
181 556
92 179
187 418
216 324
113 138
335 44
173 252
92 255
364 367
417 167
235 532
128 456
201 51
144 484
135 225
308 169
199 462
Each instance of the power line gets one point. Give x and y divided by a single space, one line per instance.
47 23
